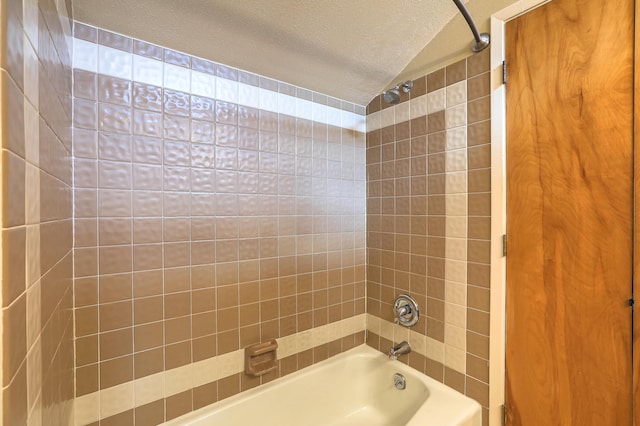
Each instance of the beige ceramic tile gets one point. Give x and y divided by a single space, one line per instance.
117 399
87 409
149 389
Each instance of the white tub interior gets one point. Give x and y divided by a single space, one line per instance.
353 388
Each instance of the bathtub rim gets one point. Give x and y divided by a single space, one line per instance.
360 350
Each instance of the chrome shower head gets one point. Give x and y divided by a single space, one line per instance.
392 96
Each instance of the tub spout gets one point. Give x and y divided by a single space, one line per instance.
399 349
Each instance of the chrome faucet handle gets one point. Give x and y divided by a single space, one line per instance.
400 312
406 311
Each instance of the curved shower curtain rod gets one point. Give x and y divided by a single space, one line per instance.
481 40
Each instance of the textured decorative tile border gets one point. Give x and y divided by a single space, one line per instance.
117 399
451 101
408 110
106 60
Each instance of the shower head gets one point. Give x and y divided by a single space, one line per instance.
392 96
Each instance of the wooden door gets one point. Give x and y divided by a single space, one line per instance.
570 214
636 232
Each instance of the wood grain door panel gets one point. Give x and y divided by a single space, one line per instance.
570 214
636 233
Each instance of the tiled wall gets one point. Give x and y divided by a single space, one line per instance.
37 317
213 209
428 223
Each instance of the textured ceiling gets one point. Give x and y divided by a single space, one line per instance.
349 49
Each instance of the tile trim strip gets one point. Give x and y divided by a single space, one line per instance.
117 399
87 56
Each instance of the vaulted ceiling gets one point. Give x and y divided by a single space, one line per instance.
349 49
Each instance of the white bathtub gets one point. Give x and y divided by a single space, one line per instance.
353 388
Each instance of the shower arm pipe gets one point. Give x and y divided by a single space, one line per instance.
481 40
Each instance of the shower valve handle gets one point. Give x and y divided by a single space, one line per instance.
401 312
406 311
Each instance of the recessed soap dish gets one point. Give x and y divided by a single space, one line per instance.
260 358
